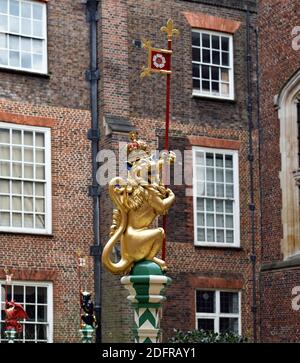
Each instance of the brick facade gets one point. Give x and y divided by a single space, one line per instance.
195 121
278 63
60 101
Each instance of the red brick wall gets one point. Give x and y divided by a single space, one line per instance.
53 258
278 62
68 59
225 121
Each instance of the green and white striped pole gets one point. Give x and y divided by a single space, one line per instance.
86 333
146 284
10 334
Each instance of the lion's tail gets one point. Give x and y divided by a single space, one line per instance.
123 265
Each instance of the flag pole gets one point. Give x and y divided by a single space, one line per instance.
170 30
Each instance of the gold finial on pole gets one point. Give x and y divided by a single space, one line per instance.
169 29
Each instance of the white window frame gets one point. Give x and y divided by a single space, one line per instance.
48 184
236 202
49 287
231 94
44 39
217 315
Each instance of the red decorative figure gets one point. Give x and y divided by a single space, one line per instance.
14 312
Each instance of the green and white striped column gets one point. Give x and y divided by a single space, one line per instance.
86 334
146 284
10 335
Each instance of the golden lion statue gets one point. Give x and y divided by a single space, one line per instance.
139 200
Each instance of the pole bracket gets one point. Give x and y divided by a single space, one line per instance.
94 191
92 75
95 251
93 135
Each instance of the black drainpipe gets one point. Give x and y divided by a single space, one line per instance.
251 171
93 76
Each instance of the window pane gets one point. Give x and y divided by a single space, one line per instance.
205 301
3 6
209 205
220 236
229 221
37 46
17 220
18 294
40 205
16 137
215 42
229 206
225 89
28 138
28 171
26 60
3 40
28 204
196 54
17 203
229 236
228 161
215 73
229 325
14 7
37 11
39 221
205 56
4 219
196 71
215 57
4 168
4 152
37 62
209 159
220 220
215 87
26 10
210 235
28 154
37 29
196 38
26 27
4 202
42 313
40 172
28 188
206 324
225 59
41 332
4 136
196 84
26 44
4 57
205 72
39 189
28 220
229 302
14 24
39 140
14 42
210 220
42 295
200 204
3 23
30 331
30 294
206 40
225 43
17 187
14 59
4 186
200 219
224 75
17 170
30 310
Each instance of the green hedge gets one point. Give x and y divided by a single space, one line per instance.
201 336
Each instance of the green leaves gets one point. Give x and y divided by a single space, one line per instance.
201 336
